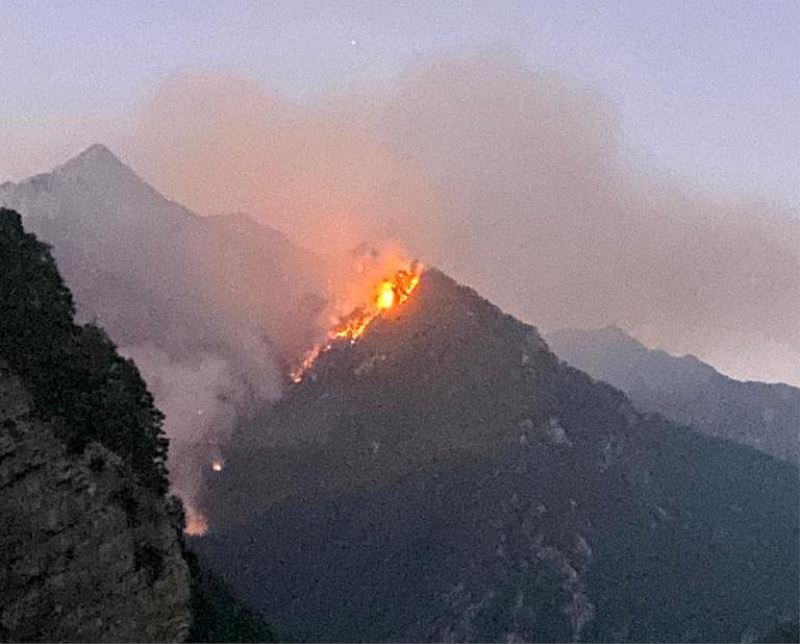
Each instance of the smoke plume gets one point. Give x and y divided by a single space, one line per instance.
513 180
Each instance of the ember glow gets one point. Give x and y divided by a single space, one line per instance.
196 523
388 294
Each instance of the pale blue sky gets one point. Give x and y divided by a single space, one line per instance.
708 90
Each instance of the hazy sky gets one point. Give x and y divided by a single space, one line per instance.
706 90
581 164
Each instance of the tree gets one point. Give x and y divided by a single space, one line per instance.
74 374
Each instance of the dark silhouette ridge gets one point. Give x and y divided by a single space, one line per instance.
447 477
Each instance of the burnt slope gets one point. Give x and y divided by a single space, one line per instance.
448 478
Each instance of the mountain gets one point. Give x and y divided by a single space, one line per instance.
207 306
447 478
87 554
688 391
148 268
91 544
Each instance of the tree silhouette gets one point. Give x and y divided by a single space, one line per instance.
74 374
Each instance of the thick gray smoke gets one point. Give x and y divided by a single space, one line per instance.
509 178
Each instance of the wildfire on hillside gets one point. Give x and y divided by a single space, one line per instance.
387 294
196 520
377 295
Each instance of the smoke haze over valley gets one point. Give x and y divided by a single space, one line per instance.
163 282
582 166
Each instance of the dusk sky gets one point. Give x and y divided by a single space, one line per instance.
483 315
629 163
704 90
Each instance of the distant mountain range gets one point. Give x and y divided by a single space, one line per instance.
448 478
688 391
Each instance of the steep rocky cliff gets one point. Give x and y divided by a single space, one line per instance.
90 548
86 553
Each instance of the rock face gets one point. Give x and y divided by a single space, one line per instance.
85 553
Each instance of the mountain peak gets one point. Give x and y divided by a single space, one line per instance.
447 435
95 156
93 188
98 150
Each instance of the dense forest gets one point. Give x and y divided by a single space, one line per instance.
73 372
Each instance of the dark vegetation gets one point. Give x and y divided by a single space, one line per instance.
217 616
447 478
73 373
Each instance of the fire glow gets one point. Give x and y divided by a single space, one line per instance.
196 523
388 294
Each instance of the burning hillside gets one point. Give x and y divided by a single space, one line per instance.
386 294
448 474
369 284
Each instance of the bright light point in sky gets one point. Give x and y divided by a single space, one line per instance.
353 42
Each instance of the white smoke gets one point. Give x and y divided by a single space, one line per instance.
203 396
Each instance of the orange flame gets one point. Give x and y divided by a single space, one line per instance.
196 523
388 294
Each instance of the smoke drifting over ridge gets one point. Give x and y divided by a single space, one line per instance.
511 179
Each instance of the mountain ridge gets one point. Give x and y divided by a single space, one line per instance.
207 306
91 542
685 389
457 481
